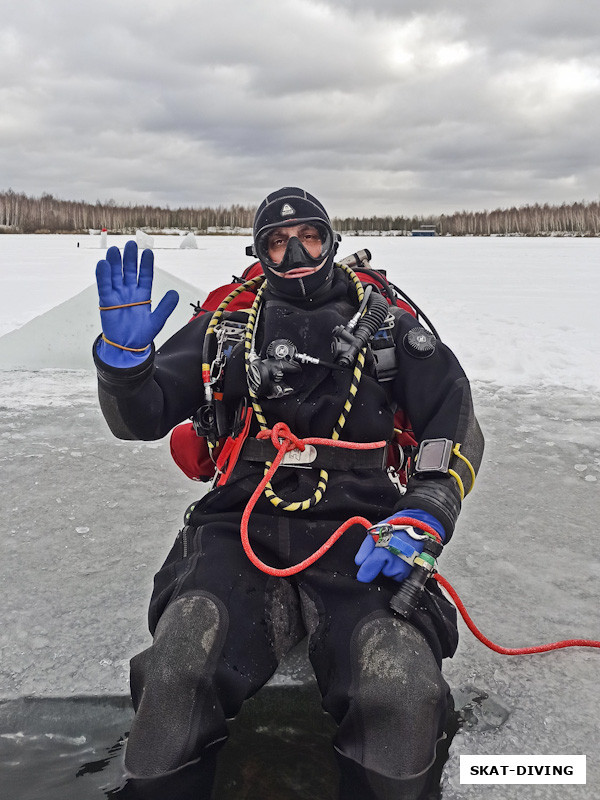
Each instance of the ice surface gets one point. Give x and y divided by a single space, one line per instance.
87 519
38 272
516 311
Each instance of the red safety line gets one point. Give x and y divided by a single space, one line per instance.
284 440
291 442
508 651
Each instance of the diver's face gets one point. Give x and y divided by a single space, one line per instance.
307 235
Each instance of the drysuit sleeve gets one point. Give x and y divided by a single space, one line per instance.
147 400
433 389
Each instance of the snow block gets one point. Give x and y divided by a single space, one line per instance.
62 338
144 240
189 242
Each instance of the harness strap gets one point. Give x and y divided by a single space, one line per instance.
323 456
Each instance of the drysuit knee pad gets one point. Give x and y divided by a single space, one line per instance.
398 699
177 711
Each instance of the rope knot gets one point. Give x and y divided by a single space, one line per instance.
281 435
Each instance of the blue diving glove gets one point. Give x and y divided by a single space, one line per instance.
135 326
373 560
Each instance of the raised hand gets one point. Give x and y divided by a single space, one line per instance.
128 324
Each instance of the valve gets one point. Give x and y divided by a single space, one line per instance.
266 376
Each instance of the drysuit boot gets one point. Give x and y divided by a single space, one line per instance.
194 781
178 712
387 739
359 783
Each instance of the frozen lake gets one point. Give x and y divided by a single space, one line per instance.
85 526
517 311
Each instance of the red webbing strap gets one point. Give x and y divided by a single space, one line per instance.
231 450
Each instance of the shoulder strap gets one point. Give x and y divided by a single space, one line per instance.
241 303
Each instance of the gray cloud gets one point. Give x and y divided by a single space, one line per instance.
402 107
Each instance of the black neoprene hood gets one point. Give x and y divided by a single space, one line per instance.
291 206
288 206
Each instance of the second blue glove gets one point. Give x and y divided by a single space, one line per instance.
374 560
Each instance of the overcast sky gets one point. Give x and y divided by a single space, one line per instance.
383 106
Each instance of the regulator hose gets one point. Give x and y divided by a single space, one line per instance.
369 324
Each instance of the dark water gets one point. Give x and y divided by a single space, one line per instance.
279 747
72 749
59 749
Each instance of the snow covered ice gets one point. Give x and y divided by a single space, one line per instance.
88 519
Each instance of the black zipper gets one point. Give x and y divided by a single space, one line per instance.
185 541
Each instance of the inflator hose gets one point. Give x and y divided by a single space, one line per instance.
370 322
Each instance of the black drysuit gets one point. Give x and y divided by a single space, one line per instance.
220 625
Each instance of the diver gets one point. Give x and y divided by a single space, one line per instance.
330 359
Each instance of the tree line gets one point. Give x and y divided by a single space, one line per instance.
20 213
47 214
581 219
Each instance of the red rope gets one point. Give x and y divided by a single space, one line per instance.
284 440
508 651
288 442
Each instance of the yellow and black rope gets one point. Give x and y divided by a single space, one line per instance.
277 501
260 284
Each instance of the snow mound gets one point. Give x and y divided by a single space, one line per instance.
62 337
189 242
144 240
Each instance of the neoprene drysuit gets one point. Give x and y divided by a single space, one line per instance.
220 625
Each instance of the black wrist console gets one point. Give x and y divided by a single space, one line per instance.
433 457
